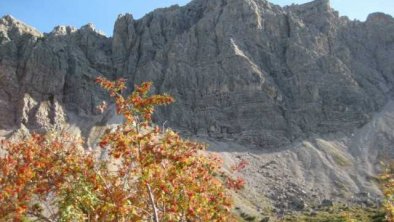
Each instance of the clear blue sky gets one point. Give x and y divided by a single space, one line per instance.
45 14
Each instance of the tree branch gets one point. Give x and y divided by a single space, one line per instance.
152 200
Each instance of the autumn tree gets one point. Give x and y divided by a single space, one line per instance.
150 174
388 190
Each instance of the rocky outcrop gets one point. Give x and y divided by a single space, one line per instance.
244 72
43 75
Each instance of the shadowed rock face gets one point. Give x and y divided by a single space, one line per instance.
243 70
43 75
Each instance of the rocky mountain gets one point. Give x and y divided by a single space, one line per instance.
301 93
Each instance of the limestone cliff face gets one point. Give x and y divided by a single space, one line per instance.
43 75
244 71
260 73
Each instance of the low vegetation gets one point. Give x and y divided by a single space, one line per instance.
388 190
340 213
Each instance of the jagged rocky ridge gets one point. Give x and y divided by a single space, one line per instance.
303 94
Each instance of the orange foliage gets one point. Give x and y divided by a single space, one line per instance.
388 190
150 174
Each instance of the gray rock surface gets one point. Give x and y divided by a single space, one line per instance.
299 85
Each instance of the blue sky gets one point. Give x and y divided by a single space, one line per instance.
45 14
